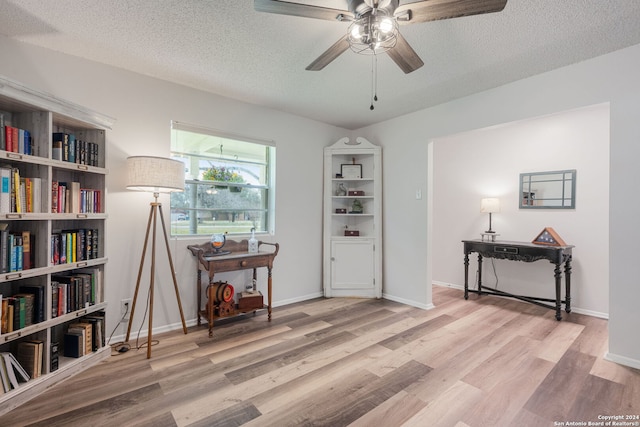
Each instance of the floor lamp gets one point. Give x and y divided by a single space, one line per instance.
156 175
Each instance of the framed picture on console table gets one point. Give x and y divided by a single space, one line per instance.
350 171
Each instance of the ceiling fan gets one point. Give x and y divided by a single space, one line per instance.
374 24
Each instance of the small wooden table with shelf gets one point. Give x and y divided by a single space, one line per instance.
238 259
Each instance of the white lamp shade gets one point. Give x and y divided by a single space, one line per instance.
490 205
154 174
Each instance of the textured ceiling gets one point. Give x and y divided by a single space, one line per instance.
225 47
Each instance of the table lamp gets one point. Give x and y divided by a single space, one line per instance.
490 205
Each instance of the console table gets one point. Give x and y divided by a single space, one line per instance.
238 259
527 252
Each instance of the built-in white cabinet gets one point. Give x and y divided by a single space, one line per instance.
52 238
352 233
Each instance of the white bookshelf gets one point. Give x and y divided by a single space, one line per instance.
42 115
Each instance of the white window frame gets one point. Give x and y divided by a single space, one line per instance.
269 185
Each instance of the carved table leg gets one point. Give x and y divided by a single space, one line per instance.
558 275
210 308
479 274
466 276
199 290
567 281
269 295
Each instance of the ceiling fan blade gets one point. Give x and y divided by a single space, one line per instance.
404 56
329 55
433 10
304 10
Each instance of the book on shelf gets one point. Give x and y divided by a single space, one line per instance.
59 139
5 384
15 249
16 373
54 357
87 327
74 341
3 145
26 308
27 252
6 324
4 247
8 132
39 294
19 314
5 189
29 355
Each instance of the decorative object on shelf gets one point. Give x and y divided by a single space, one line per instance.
156 175
253 242
549 237
217 242
351 233
351 171
490 205
341 210
342 190
356 207
250 299
356 193
220 292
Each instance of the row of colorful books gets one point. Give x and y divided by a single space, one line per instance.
68 148
69 197
79 289
16 249
14 139
22 309
19 194
69 246
85 336
75 291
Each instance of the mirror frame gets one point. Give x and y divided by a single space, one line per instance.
568 202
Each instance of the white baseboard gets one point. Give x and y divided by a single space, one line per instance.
408 302
577 310
622 360
298 299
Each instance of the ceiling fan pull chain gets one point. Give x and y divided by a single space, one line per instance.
372 80
375 93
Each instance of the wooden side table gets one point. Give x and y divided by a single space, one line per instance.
238 259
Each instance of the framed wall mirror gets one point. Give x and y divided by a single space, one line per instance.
548 190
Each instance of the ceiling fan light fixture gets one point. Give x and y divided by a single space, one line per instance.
372 34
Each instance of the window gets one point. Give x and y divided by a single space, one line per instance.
229 183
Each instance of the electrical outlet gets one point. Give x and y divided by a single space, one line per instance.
125 309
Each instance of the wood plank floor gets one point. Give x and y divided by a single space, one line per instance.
488 361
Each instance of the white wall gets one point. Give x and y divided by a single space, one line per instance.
143 108
405 141
487 163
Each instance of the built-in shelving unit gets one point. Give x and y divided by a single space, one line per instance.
352 235
46 215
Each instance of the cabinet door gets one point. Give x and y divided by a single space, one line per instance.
352 268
